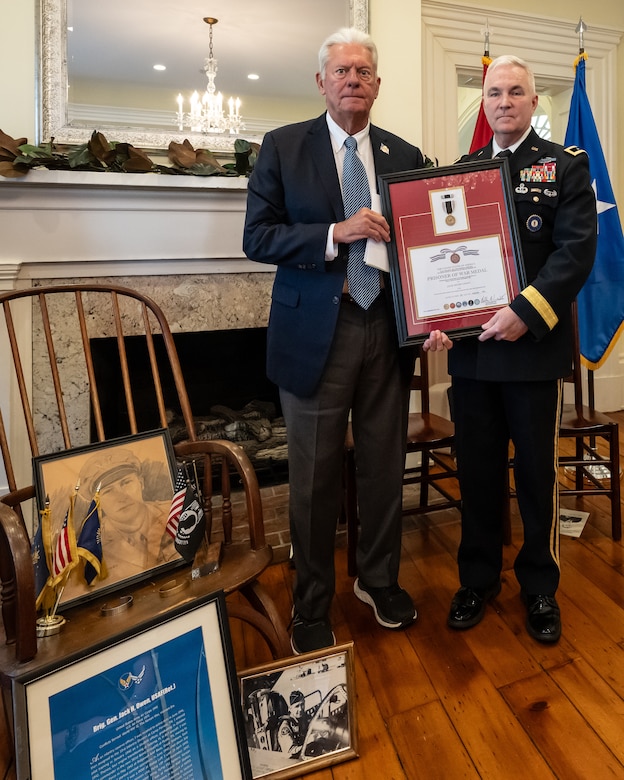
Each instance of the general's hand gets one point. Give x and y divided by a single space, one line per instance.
363 224
437 341
505 325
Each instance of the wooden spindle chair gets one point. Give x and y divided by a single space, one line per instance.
588 427
65 400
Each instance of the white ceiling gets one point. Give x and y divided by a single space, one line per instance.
121 40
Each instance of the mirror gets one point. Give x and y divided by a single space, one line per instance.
96 65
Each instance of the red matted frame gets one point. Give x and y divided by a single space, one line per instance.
455 256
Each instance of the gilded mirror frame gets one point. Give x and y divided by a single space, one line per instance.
52 90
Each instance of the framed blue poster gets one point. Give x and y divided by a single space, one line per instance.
159 704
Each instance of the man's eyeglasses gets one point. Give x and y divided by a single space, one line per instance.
363 74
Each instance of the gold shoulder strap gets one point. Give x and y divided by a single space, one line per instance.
574 150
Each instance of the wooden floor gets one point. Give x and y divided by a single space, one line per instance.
490 702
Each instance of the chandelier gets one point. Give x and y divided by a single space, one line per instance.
206 113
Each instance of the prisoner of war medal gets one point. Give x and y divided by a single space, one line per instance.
447 199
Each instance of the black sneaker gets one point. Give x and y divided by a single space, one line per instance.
308 635
393 606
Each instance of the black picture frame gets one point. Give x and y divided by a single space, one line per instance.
164 694
455 255
132 552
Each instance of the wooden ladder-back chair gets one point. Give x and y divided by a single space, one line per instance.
587 426
428 435
64 401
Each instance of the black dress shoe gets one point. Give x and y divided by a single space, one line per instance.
543 618
468 605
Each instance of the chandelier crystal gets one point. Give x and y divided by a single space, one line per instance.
206 113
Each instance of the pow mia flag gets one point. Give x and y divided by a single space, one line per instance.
191 525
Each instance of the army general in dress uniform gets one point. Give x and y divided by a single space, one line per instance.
507 382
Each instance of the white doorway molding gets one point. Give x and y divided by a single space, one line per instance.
452 42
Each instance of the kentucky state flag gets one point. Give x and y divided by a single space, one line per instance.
601 301
41 555
90 543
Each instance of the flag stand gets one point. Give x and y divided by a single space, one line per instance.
48 625
207 559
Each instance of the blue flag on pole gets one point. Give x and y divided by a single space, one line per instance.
90 541
40 551
601 301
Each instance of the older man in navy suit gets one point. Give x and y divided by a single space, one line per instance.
332 353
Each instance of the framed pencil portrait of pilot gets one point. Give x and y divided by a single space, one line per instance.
108 504
299 714
455 256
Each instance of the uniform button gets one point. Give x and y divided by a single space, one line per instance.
535 199
336 299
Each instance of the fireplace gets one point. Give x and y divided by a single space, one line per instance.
230 395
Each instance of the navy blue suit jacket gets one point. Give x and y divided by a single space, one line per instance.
293 197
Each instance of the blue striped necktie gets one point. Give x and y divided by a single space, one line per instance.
363 280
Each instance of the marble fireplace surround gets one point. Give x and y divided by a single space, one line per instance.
178 241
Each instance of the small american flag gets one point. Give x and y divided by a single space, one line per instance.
65 555
177 502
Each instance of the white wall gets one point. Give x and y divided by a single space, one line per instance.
17 68
397 35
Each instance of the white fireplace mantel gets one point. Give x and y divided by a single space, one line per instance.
61 224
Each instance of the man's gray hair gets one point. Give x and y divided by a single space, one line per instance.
344 36
518 62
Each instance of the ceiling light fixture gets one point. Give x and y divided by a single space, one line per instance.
206 114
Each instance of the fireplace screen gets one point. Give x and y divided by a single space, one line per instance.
231 397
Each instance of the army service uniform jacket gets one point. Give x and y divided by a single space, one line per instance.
556 213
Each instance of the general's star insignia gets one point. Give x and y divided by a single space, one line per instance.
601 206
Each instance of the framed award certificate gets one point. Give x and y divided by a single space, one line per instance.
455 256
159 701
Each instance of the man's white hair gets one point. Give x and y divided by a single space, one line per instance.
346 35
518 62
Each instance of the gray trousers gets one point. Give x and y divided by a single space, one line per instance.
362 377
